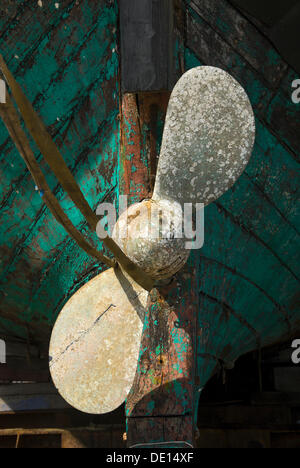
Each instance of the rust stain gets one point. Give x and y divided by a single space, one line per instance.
139 142
165 383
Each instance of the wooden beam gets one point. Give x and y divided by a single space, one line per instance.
100 437
24 372
23 363
142 119
162 404
30 397
146 45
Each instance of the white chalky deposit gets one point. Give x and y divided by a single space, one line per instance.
148 233
208 137
95 342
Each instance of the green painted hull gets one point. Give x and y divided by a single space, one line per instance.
66 61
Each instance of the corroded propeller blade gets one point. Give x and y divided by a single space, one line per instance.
95 342
208 137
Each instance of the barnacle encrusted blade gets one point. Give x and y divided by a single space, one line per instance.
95 342
208 137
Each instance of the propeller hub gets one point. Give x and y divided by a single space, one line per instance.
150 233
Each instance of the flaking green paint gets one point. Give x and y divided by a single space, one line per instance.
248 268
72 70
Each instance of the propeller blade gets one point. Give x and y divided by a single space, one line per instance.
95 342
208 137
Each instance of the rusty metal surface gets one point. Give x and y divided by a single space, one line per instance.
142 118
95 343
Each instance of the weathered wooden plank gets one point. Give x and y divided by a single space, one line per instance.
160 432
109 436
216 341
146 45
31 439
167 358
287 439
263 11
241 416
21 350
210 48
143 117
104 437
283 21
270 160
82 99
275 234
67 53
27 389
287 379
179 38
283 117
235 229
285 34
289 399
16 371
242 438
230 313
41 27
30 397
234 280
13 324
23 363
165 384
69 418
243 37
